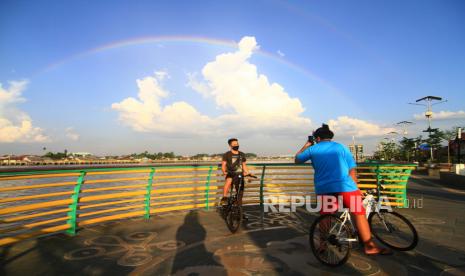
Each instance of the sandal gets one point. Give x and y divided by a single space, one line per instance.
382 251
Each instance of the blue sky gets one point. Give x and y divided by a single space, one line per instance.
354 64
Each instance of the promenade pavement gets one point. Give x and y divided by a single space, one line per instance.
198 242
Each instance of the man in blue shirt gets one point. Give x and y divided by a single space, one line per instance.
335 175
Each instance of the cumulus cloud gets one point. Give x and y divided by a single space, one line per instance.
347 126
248 97
15 124
248 100
146 113
197 85
443 115
71 134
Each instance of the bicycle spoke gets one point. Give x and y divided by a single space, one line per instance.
393 230
329 255
326 235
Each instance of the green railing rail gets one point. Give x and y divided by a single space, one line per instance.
391 180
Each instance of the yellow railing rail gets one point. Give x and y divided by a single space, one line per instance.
37 203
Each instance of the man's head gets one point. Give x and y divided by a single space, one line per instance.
233 143
323 133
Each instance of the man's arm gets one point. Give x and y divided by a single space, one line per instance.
245 169
223 167
306 146
351 164
353 174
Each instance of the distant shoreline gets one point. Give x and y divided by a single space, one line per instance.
23 168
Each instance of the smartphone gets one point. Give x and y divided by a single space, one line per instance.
311 139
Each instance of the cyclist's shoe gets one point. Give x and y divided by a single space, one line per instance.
371 249
224 200
381 251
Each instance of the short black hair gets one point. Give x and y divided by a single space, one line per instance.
323 132
231 140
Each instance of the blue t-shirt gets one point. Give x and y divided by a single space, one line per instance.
332 162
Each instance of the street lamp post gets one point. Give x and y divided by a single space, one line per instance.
404 126
459 143
429 114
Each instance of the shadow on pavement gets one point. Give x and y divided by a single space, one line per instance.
192 233
198 243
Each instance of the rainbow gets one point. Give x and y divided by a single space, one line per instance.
184 39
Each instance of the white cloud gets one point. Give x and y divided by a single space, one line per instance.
199 86
71 134
443 115
15 124
146 114
347 126
249 101
161 75
281 54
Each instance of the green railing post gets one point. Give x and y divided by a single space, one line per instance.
207 189
262 179
148 194
72 221
378 181
404 192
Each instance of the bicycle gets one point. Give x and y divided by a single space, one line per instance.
332 247
232 210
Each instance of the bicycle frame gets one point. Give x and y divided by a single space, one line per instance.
335 235
369 202
240 179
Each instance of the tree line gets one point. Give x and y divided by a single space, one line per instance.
418 148
146 154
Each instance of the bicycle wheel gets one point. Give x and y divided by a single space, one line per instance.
234 217
222 210
393 230
329 247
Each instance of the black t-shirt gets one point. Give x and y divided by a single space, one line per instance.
234 161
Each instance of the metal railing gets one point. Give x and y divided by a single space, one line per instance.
37 203
390 180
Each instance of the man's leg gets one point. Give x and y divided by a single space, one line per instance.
353 201
365 234
227 186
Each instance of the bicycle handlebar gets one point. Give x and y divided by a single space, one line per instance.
375 191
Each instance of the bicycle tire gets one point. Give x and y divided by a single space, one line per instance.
234 218
330 239
413 232
222 210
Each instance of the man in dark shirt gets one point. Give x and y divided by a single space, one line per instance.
234 163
